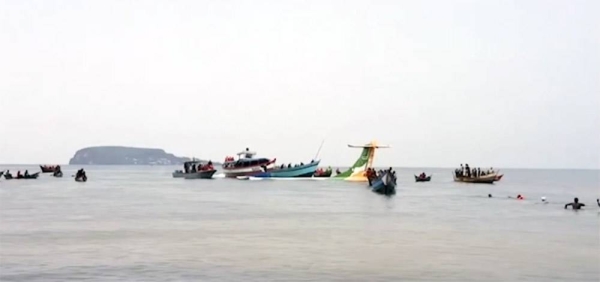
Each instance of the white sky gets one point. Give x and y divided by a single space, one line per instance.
490 83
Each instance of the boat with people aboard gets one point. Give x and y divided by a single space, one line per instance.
48 168
382 181
323 172
80 176
26 175
195 169
57 172
422 177
246 165
290 171
474 175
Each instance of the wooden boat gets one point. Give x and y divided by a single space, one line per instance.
82 178
384 184
246 165
31 176
323 172
419 179
488 179
302 170
188 171
498 177
203 174
47 168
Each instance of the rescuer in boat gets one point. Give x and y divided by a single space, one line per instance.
371 174
422 175
575 204
209 165
57 171
248 154
26 174
80 173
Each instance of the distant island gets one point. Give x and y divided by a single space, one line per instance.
119 155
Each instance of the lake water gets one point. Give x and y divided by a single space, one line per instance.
139 224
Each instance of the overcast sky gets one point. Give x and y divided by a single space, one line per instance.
490 83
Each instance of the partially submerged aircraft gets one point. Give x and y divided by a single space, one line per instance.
357 172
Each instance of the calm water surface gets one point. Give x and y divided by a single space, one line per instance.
139 224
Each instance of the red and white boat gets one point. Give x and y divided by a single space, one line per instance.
246 165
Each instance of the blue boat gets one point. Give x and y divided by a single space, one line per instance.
384 184
303 170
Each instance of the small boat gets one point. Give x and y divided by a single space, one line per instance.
488 179
385 183
323 172
82 178
422 179
302 170
498 177
47 168
203 174
193 167
246 165
30 176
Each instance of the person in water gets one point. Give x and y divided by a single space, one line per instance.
598 201
575 204
489 195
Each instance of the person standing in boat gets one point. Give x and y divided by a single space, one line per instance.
248 154
467 171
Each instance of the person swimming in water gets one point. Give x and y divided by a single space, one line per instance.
598 201
575 204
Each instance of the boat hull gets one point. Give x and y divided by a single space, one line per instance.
81 179
488 179
324 174
47 169
426 179
307 170
385 184
247 171
498 177
31 176
205 174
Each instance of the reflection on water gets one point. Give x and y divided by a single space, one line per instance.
139 224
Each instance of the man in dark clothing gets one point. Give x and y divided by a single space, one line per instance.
575 204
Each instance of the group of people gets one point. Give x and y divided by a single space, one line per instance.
7 174
323 171
576 205
372 174
193 168
466 171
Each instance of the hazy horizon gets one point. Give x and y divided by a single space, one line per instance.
489 83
